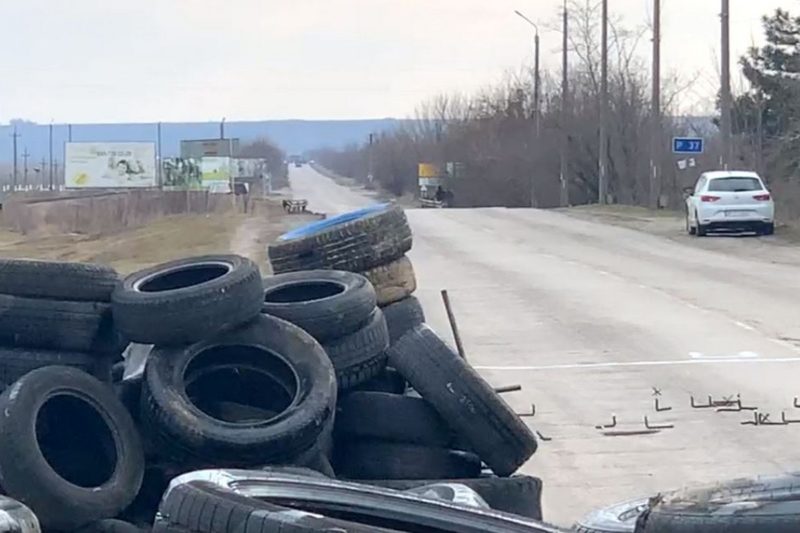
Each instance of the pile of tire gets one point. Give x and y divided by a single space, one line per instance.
224 386
373 242
410 412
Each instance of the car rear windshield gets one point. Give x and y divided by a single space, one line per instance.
734 184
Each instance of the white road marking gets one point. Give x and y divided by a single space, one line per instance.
742 325
617 364
740 355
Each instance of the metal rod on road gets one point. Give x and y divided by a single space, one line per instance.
453 326
508 388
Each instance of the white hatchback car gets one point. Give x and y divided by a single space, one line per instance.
730 200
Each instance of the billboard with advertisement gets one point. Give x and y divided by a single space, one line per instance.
215 170
109 164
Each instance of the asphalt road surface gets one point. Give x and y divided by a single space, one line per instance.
596 321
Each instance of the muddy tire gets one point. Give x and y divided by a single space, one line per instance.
403 316
360 356
57 281
768 504
518 494
363 460
470 406
200 507
76 456
393 281
325 303
16 362
353 242
188 300
269 365
390 417
55 324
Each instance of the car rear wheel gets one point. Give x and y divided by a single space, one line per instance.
700 230
691 230
769 229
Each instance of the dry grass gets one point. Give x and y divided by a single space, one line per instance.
159 241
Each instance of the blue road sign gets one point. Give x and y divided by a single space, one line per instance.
687 145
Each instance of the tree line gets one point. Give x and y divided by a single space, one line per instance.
508 161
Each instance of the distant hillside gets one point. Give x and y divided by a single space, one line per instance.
293 136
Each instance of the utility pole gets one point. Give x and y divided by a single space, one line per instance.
14 136
50 168
564 111
369 158
158 157
69 132
725 96
25 156
41 172
602 178
55 172
655 133
222 128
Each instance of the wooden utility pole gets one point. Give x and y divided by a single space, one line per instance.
655 131
50 168
602 179
25 156
564 111
159 178
55 173
725 92
14 137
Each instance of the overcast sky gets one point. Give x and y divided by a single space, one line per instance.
184 60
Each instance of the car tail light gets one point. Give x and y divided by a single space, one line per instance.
709 198
761 197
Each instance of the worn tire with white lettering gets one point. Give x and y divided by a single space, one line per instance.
474 411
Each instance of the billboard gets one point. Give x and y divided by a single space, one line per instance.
181 174
215 170
109 164
429 170
209 148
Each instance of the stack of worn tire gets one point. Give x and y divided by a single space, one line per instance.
223 386
421 414
372 241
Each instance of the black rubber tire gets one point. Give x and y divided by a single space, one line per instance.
470 406
361 460
361 355
16 362
325 303
390 417
55 324
221 292
201 507
388 380
393 281
769 229
700 230
266 360
403 316
66 427
769 505
355 246
110 525
57 281
518 494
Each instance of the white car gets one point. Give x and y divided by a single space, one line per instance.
730 200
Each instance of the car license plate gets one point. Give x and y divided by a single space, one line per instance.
735 214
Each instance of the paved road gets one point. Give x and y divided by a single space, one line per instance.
590 318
